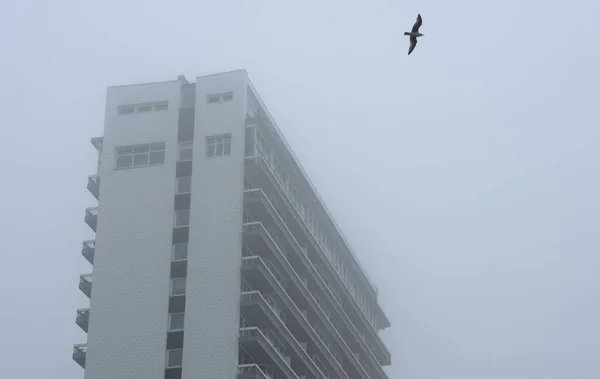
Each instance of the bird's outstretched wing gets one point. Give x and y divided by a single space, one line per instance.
417 24
413 43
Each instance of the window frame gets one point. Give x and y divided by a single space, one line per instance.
178 187
153 149
173 259
170 328
168 360
161 105
175 225
184 280
218 142
219 97
143 108
187 145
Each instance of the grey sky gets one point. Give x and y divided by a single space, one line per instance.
466 176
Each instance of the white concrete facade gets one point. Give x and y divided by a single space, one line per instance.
214 262
132 264
128 307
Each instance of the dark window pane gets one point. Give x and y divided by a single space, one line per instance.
124 161
157 157
185 154
210 150
140 160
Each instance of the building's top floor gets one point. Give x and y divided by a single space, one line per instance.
302 192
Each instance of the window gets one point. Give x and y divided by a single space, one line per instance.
126 109
182 218
218 146
186 151
140 155
180 251
188 97
219 97
176 321
177 286
250 137
174 358
144 108
161 105
184 185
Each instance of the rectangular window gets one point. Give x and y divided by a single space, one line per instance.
250 136
177 286
184 185
144 108
188 97
186 151
182 218
140 155
161 105
126 109
218 146
176 321
180 251
219 97
174 358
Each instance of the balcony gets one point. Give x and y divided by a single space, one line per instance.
83 318
91 217
257 311
264 178
98 142
85 284
88 250
251 371
260 348
93 185
258 276
257 238
79 353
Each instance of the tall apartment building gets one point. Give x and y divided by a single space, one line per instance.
214 256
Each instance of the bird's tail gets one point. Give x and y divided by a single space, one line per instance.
406 33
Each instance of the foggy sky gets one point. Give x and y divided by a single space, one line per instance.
466 176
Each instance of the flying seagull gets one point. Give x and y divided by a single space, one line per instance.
414 33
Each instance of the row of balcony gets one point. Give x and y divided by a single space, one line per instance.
372 312
259 239
263 177
88 251
257 202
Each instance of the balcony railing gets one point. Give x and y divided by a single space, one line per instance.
79 353
98 142
85 284
382 350
93 185
91 217
282 361
251 371
83 318
88 250
257 228
299 314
